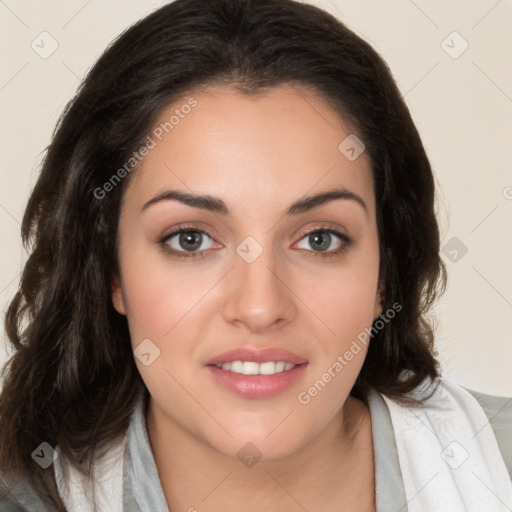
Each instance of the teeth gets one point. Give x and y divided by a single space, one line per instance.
253 368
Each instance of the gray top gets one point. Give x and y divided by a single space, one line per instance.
142 491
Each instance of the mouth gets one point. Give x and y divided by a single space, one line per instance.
257 373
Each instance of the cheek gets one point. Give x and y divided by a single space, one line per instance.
161 295
343 296
163 306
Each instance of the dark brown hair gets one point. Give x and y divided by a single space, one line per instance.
72 379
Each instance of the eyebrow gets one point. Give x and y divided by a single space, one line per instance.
217 205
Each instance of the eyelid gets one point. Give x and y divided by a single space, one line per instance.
325 227
188 227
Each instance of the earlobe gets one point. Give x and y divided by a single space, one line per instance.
117 295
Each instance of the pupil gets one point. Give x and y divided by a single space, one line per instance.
322 239
190 240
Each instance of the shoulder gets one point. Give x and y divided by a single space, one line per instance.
17 496
11 499
498 410
8 505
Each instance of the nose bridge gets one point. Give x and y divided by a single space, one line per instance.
258 296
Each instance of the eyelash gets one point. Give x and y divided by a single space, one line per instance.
327 255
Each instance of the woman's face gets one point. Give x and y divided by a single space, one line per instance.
247 273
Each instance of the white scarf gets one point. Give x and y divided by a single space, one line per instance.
103 493
448 454
449 459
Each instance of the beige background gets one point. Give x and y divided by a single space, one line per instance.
462 107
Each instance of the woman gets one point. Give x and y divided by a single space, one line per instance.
185 348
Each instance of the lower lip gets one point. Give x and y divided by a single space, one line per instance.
257 386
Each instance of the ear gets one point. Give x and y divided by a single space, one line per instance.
117 295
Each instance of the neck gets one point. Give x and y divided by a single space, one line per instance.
194 474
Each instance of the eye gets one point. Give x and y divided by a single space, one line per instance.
190 242
324 241
187 243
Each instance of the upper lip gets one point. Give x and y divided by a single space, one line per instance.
257 355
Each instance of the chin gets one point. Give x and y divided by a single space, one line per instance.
259 445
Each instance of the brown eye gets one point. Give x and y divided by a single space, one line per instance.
322 240
188 241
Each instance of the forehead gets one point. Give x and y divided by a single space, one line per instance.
251 150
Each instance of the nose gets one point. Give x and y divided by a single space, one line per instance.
258 295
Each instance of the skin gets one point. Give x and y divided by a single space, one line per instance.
259 155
